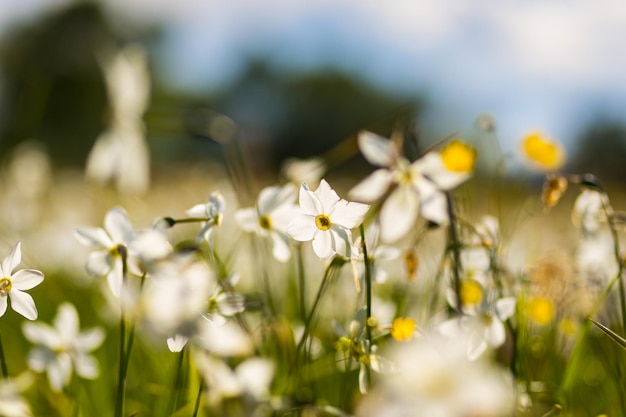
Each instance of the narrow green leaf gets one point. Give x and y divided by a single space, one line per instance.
616 338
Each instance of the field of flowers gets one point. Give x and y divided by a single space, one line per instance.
422 289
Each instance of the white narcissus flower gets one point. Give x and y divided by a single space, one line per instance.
121 153
418 186
108 244
13 285
211 213
327 220
12 404
588 212
274 209
63 347
484 328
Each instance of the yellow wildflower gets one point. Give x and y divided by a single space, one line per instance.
543 152
403 329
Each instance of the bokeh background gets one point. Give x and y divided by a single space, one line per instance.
299 77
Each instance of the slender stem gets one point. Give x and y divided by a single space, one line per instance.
177 388
368 288
121 381
196 407
3 361
301 282
455 246
618 257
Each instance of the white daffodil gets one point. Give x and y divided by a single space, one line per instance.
120 153
12 404
13 285
176 295
434 378
417 186
274 209
211 213
63 347
251 378
110 244
327 220
588 212
484 327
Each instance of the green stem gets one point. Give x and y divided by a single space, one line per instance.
368 288
301 282
3 361
178 382
196 407
455 246
121 381
618 257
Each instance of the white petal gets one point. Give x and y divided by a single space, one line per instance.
150 245
373 187
376 149
435 208
89 340
40 358
66 322
322 244
227 340
477 346
12 260
23 304
60 372
495 334
115 278
431 165
94 237
505 307
255 375
271 198
302 228
348 214
86 366
327 197
117 224
309 201
247 219
3 304
281 247
198 211
102 159
398 213
177 343
26 279
41 334
99 263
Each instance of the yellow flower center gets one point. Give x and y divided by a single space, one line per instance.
5 285
403 329
540 310
322 222
547 154
471 293
458 156
265 222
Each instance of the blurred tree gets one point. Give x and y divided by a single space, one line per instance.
304 115
602 151
54 89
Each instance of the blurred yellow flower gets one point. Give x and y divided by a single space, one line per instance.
543 152
458 156
540 310
471 293
403 329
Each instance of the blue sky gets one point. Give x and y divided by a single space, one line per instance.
547 64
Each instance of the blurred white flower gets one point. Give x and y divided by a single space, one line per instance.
12 404
484 328
588 211
13 285
310 170
434 378
251 378
120 153
417 186
327 221
63 347
211 213
109 244
275 207
376 253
